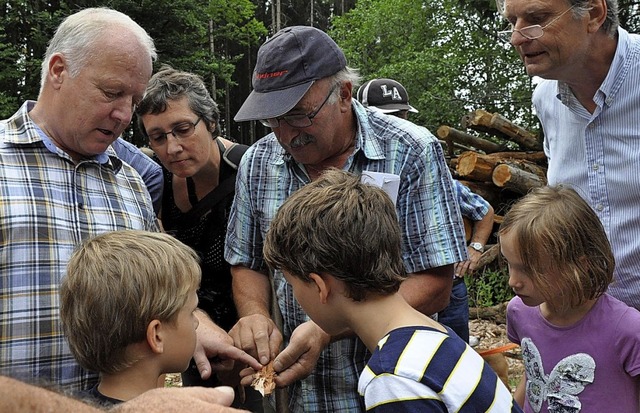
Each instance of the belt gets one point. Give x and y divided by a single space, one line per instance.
458 280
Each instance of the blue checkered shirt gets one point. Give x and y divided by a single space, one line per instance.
472 205
48 205
428 214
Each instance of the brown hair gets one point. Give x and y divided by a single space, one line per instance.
339 226
562 244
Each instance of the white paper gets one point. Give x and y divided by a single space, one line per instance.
389 183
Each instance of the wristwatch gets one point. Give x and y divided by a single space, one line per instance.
477 246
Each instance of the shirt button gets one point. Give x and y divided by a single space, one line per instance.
599 207
595 166
609 101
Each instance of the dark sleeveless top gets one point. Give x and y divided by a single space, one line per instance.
205 231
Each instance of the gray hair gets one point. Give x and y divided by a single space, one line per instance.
348 74
169 85
581 7
77 35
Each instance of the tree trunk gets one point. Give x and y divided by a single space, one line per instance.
475 166
537 157
496 313
511 177
488 256
496 124
450 134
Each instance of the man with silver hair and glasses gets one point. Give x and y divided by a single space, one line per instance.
303 91
589 105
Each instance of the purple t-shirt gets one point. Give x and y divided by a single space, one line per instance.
590 366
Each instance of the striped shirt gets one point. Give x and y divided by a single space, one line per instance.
598 155
427 210
48 205
420 369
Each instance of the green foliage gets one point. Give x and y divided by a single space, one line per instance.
489 288
446 53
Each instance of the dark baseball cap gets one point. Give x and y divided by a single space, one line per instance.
386 95
286 67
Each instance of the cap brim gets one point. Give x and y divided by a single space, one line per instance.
394 108
271 104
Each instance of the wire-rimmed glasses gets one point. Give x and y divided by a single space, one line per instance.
298 121
530 32
182 130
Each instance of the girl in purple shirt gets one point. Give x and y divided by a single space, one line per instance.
580 346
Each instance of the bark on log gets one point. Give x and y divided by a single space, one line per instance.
515 179
537 157
450 134
488 256
496 124
496 313
528 167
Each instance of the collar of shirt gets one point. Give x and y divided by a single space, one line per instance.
21 130
607 91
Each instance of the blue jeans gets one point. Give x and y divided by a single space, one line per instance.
456 315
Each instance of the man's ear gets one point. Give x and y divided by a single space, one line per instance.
597 15
324 289
155 336
58 70
346 94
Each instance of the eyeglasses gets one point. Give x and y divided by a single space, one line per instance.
530 32
182 130
297 121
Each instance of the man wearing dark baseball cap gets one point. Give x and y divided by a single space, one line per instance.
303 91
387 96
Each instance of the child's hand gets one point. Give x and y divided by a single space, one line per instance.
299 358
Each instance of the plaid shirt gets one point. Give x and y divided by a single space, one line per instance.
428 214
472 205
48 205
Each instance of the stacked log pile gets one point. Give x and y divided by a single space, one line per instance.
500 167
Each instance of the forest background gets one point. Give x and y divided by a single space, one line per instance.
445 52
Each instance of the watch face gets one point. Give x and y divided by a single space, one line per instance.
477 246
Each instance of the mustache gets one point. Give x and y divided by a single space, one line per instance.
301 140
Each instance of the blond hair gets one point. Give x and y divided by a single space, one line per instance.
562 244
116 284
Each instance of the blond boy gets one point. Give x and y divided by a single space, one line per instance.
127 309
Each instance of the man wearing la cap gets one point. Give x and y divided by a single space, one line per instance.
390 97
303 91
387 96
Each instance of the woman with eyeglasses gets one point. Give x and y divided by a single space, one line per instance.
181 122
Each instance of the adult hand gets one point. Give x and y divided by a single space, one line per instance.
469 266
215 350
299 358
181 399
257 335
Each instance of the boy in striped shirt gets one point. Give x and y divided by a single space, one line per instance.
337 241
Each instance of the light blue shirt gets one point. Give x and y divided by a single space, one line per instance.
599 155
149 170
429 218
